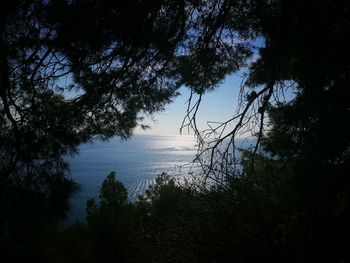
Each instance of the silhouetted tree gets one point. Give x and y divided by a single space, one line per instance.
119 73
126 60
294 99
119 60
71 71
109 221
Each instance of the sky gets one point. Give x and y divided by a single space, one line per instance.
217 105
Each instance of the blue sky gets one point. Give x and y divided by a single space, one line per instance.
218 105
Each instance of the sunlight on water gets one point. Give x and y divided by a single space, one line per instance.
180 141
137 163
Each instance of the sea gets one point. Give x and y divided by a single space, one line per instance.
136 161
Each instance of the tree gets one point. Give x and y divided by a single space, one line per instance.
302 54
119 74
123 74
110 221
307 132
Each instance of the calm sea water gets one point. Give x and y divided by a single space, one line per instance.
136 161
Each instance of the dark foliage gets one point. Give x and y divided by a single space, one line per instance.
126 60
254 218
121 60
